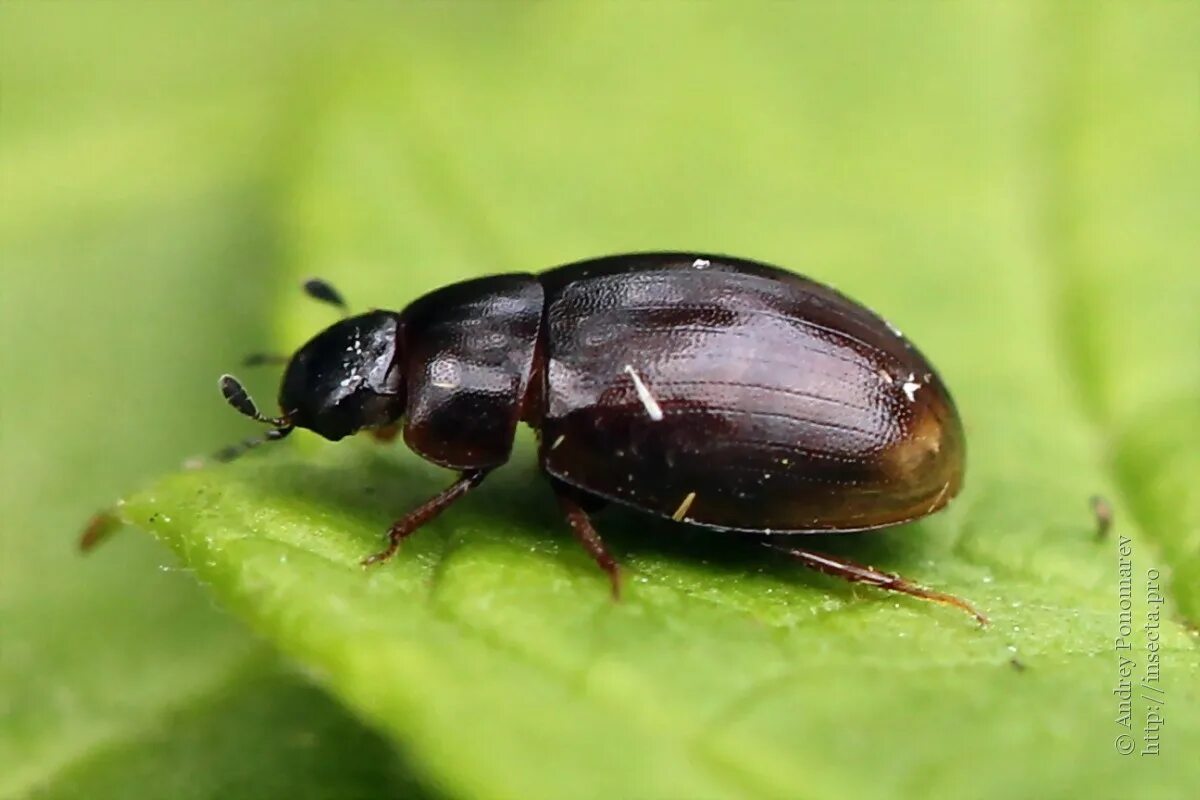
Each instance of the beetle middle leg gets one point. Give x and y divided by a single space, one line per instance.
411 522
385 434
575 506
845 569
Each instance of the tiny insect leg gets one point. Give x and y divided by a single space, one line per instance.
585 533
387 434
410 523
99 528
839 567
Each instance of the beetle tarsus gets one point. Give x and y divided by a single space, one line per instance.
839 567
414 520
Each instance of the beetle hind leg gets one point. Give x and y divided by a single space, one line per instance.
845 569
575 506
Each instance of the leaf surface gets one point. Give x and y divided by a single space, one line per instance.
136 253
1008 186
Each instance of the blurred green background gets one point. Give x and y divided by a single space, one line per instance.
1017 183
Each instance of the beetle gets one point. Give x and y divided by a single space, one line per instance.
715 391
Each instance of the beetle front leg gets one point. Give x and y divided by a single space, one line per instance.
581 525
411 522
845 569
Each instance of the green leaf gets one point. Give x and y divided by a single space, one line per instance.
1011 185
303 745
136 249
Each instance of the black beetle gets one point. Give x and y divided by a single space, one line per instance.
710 390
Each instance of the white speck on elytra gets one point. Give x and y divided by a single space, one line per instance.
701 263
558 441
886 377
653 409
910 388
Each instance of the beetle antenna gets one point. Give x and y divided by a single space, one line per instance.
235 451
236 395
323 291
264 359
316 288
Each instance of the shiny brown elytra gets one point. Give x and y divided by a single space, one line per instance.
710 390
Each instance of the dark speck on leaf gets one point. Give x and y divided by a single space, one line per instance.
1103 512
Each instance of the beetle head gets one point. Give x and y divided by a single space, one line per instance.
346 378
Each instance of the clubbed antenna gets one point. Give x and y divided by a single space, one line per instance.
236 395
317 289
323 291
